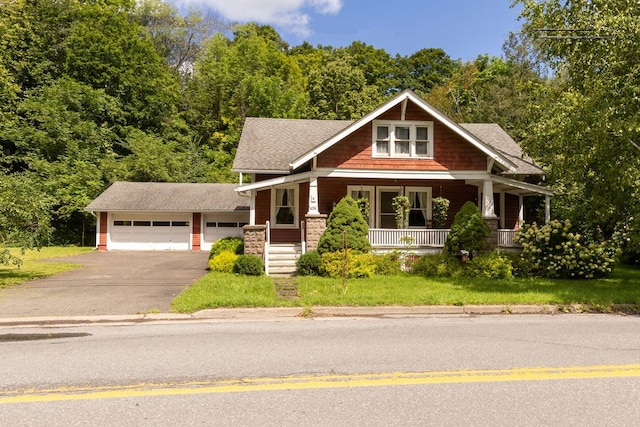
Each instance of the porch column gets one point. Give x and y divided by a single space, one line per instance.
489 214
488 207
520 211
252 208
313 196
547 208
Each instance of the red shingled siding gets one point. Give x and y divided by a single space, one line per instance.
451 152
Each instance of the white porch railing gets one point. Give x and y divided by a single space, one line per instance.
267 243
506 238
432 237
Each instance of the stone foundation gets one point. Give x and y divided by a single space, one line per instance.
316 224
254 238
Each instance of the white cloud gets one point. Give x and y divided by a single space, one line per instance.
291 15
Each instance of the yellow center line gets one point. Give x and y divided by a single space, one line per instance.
320 382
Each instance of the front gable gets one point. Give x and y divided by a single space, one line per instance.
426 144
406 107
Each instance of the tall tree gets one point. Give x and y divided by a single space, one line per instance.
339 91
591 135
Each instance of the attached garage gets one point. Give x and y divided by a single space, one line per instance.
167 216
147 231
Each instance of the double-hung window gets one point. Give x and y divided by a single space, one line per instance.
284 202
403 139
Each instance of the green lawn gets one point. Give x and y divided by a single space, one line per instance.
34 268
228 290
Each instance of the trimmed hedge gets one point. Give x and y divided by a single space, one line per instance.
249 265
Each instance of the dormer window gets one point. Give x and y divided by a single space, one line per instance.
403 139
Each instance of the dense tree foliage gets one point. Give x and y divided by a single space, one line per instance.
97 91
589 136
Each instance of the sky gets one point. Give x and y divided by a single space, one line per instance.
463 28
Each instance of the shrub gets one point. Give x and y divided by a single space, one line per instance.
358 265
345 217
249 265
309 264
554 251
493 265
231 244
440 209
438 265
468 231
388 264
223 262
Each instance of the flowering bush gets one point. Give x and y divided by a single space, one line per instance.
552 250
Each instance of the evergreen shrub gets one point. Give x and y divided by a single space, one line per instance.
249 265
345 216
468 231
309 264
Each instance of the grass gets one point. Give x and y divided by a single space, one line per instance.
228 290
33 266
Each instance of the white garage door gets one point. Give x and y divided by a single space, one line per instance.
141 231
217 226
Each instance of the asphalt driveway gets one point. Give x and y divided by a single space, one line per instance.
115 282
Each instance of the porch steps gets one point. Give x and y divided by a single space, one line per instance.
282 258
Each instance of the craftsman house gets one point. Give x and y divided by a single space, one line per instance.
300 169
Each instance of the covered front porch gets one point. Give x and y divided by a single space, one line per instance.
293 210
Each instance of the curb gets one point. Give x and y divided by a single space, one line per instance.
280 313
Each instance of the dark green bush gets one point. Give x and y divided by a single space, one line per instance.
249 265
309 264
388 264
438 265
345 216
492 265
468 231
232 244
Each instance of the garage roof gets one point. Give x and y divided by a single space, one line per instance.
169 197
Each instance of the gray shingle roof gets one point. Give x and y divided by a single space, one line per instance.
169 197
493 135
271 144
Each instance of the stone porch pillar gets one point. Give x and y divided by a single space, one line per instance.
316 224
254 239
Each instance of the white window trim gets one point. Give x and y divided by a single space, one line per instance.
372 190
427 190
296 206
413 125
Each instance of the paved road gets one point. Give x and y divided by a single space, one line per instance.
114 282
438 370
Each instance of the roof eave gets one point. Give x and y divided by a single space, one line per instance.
404 95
